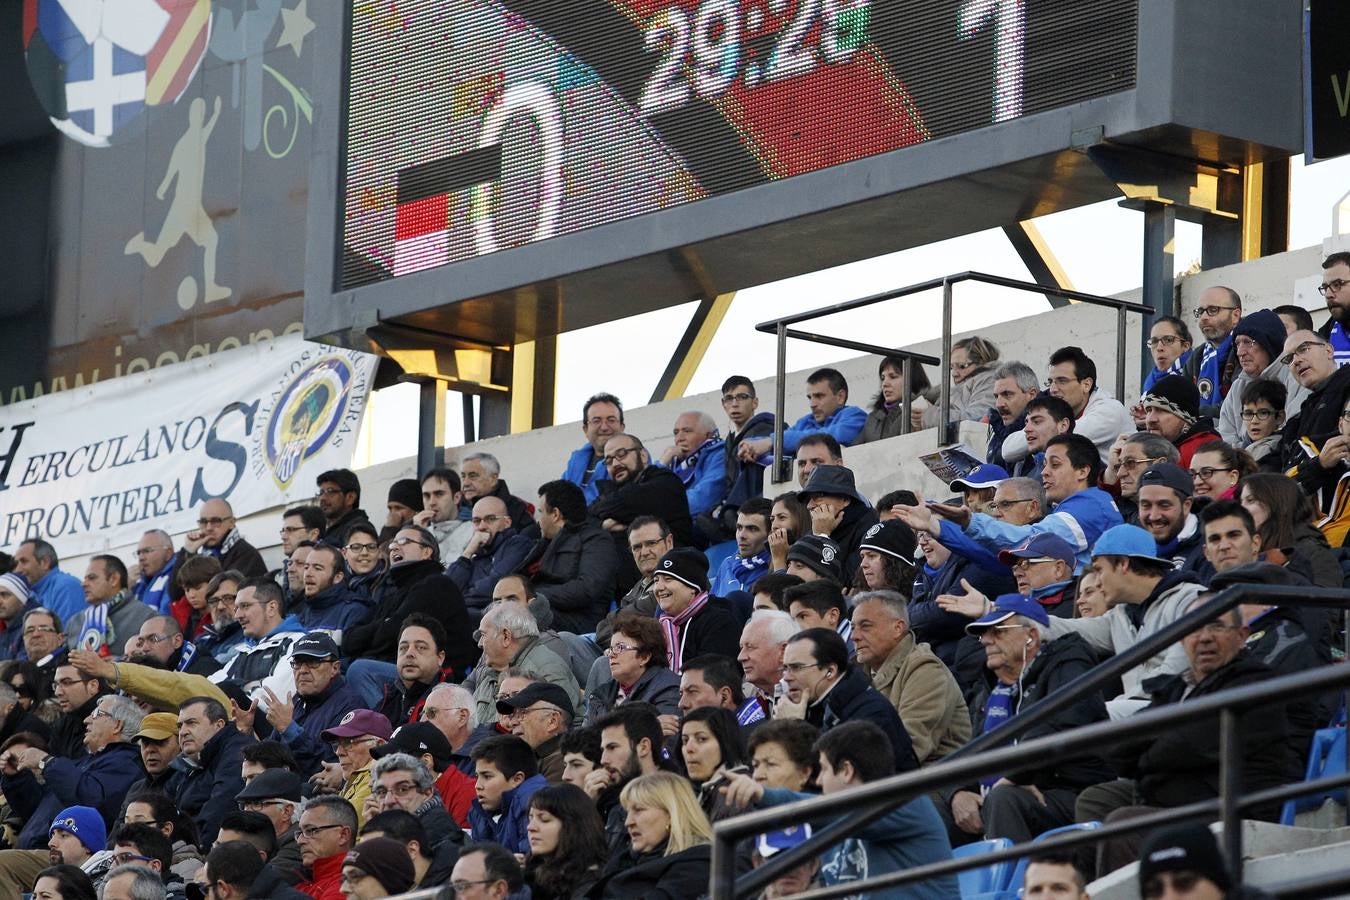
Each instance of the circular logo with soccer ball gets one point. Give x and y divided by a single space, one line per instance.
306 415
827 554
96 64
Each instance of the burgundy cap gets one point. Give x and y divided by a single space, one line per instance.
359 723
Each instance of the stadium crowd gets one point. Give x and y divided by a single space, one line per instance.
555 695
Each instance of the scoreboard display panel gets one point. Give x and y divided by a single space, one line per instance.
474 126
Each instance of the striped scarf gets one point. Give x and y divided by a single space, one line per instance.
673 628
687 467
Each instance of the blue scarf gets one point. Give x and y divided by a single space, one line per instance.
189 653
687 467
997 710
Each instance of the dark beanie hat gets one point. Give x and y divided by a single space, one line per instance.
1183 848
819 554
685 564
407 491
1178 395
384 859
1266 328
894 538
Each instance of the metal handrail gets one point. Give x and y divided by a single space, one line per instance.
780 328
874 800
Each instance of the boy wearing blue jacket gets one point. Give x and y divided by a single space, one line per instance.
507 776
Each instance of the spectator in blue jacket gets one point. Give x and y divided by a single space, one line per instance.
322 697
698 457
329 605
15 601
750 562
58 591
507 776
601 419
156 563
37 785
496 549
1015 385
911 835
827 395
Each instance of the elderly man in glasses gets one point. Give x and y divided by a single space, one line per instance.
1313 362
216 535
420 585
496 549
1213 364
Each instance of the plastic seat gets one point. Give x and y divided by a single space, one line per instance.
1326 757
986 881
718 552
1012 888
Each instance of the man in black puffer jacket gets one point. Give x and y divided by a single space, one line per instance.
416 583
575 565
210 760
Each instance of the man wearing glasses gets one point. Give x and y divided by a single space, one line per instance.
745 477
601 419
1313 362
1022 667
1213 365
276 794
216 535
1335 290
162 646
1257 343
155 562
496 549
328 828
322 699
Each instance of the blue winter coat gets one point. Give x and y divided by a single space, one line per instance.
157 591
313 716
1079 519
206 791
909 836
334 610
99 780
708 487
739 574
509 829
476 577
844 425
62 593
576 469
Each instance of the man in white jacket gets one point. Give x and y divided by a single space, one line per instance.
1099 417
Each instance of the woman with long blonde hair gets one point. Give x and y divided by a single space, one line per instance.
670 842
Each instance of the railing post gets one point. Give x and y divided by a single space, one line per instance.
1120 355
906 374
945 376
722 874
1230 789
779 411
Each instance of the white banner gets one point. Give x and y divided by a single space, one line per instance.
94 467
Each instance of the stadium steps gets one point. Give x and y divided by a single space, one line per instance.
1273 854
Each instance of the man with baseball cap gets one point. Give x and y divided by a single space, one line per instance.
1022 667
158 741
838 512
16 598
425 742
692 620
354 739
322 697
276 793
1164 499
1042 566
540 715
376 868
1145 594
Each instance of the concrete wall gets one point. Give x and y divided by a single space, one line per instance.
528 460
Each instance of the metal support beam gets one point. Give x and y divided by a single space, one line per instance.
430 424
1035 253
534 367
1220 242
1265 209
1160 225
470 426
693 345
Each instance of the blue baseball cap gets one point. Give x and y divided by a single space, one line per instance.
1127 540
985 475
1007 606
772 842
85 823
1046 545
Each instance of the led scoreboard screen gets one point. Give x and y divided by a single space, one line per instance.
473 126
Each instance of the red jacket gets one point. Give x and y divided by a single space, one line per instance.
457 792
325 883
181 610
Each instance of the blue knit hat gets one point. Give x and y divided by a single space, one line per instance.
85 823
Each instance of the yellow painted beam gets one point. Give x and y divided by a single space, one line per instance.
1253 209
522 387
1052 263
699 346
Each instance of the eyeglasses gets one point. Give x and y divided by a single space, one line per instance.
1132 462
647 545
1207 472
797 668
616 649
1163 340
401 790
619 455
431 712
38 629
485 520
1300 350
596 421
361 548
352 742
121 859
1328 288
220 599
213 521
1031 561
146 551
1216 628
310 832
156 638
1250 415
291 529
330 491
252 805
101 713
737 398
961 366
307 663
67 682
405 541
354 877
1210 310
1005 505
1060 381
